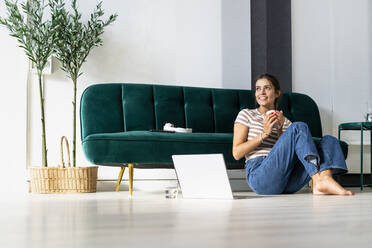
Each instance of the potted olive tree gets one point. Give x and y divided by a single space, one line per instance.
75 41
36 37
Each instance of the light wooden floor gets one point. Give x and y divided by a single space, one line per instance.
149 220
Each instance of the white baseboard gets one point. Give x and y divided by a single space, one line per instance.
158 185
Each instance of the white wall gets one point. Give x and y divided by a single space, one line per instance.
236 44
13 102
198 42
331 63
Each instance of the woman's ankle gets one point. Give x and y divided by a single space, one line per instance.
326 173
316 176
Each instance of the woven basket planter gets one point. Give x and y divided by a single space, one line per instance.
63 179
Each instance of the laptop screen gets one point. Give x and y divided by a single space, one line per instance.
202 176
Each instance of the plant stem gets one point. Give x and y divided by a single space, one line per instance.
43 135
74 79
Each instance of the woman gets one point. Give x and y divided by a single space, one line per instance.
281 156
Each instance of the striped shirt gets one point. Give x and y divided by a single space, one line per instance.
253 119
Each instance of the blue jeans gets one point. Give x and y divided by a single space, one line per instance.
293 160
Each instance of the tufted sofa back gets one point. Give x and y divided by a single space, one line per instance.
108 108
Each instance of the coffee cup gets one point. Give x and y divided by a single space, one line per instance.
274 112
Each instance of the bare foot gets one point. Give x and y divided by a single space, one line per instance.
326 185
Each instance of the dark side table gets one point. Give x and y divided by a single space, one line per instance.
359 126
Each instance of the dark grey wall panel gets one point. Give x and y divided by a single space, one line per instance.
271 40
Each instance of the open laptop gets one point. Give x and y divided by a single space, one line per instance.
203 176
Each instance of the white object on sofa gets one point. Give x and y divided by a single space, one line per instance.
170 127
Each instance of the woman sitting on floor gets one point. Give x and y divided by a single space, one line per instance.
281 156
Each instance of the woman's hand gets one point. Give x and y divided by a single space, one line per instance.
281 119
268 123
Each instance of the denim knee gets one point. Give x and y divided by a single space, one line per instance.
299 125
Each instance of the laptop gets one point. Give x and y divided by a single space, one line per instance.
203 176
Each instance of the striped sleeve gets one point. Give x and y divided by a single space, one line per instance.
243 118
286 124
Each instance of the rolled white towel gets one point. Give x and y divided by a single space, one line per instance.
170 127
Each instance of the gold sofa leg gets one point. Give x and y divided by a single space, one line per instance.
130 166
119 179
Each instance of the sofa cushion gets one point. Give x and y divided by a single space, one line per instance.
169 106
157 148
137 107
147 147
199 112
103 111
302 109
226 107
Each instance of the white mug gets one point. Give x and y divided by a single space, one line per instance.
273 111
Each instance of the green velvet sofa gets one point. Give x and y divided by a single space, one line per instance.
116 120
